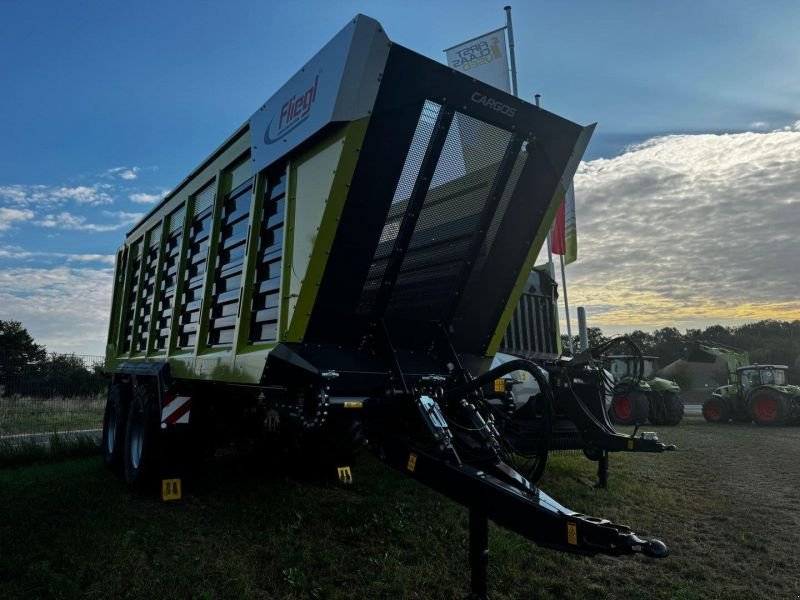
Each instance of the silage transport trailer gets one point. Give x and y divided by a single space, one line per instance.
348 261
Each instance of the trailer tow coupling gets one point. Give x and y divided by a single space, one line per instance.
492 490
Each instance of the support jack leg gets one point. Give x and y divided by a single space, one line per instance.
478 553
602 470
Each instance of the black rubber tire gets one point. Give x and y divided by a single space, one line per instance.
143 438
656 411
115 418
768 407
673 409
716 410
631 408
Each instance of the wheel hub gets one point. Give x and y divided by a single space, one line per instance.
622 406
765 408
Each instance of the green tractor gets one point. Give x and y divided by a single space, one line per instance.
640 396
759 393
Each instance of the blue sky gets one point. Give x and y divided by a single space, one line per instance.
105 106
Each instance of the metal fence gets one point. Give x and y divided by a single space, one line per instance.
60 396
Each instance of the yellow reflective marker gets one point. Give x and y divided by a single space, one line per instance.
630 444
412 462
170 489
345 474
353 404
499 385
572 533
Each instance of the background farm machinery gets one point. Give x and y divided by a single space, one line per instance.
639 395
759 393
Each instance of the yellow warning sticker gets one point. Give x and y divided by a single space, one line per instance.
345 474
572 533
353 404
170 489
412 462
499 385
630 444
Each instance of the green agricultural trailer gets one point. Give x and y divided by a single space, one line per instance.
640 396
344 267
759 393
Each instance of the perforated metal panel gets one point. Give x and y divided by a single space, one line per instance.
176 219
428 282
408 177
204 198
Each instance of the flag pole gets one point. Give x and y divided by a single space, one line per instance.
510 29
566 305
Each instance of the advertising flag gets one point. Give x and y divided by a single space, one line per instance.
565 231
484 58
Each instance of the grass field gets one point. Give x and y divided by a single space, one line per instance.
726 504
23 415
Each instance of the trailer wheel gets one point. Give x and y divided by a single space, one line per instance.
768 407
115 417
673 408
716 410
142 443
629 409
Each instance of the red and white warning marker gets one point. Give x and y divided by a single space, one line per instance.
175 410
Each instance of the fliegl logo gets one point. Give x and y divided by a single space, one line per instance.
292 114
495 105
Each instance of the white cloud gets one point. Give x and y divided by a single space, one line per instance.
10 216
45 195
127 173
760 125
64 308
143 198
17 253
66 220
690 229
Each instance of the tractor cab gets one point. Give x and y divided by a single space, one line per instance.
626 366
751 376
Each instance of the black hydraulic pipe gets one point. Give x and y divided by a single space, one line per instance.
592 429
519 364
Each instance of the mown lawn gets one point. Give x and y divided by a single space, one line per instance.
726 504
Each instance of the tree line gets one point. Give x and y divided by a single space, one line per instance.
27 369
767 342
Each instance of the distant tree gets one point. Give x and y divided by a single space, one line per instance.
594 336
17 350
643 340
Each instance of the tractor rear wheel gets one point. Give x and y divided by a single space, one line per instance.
716 410
768 407
673 408
630 408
